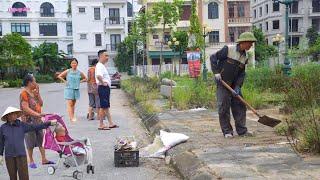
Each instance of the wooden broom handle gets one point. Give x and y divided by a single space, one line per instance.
240 98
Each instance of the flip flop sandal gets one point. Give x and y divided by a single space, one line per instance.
103 128
49 162
33 166
114 126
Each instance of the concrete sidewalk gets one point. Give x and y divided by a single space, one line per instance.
102 141
208 155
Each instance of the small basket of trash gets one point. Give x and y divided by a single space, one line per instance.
126 153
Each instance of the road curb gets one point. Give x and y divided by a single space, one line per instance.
185 162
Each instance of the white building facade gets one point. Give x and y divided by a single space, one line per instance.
38 21
269 17
99 24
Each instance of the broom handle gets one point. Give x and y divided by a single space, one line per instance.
240 98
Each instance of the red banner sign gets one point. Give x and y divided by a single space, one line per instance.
194 63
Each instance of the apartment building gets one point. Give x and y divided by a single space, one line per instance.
38 21
99 24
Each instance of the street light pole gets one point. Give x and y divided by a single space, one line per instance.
175 43
287 63
205 70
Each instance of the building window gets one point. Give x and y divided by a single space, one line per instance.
70 49
293 25
316 24
213 10
241 10
21 28
255 14
214 37
114 16
315 6
294 41
260 26
129 9
115 40
167 37
82 10
231 10
98 40
97 14
186 12
48 29
83 36
69 28
129 27
46 10
260 11
231 36
275 24
267 9
0 29
267 26
19 9
276 6
294 9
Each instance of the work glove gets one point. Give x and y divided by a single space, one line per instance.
217 77
237 91
1 160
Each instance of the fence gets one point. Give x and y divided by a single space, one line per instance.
154 70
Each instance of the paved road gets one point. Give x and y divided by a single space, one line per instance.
102 140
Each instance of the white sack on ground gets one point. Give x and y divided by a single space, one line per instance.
162 144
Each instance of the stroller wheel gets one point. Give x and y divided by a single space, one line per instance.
77 175
92 169
51 170
88 169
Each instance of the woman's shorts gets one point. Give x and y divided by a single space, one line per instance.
71 94
104 95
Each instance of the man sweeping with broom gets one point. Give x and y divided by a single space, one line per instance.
229 65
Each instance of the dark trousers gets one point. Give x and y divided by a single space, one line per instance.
17 165
225 101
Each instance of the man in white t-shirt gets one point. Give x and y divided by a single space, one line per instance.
104 83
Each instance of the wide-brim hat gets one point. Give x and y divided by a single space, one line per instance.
10 110
246 37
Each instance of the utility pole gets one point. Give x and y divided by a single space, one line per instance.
134 43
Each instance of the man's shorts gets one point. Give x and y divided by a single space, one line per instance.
94 100
104 95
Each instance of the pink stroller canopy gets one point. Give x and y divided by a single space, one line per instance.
49 139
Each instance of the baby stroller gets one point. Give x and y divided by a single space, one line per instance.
73 153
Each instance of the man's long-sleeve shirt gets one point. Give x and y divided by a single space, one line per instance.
219 58
12 137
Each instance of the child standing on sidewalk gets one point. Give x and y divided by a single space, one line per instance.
12 141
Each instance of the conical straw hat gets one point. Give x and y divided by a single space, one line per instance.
10 110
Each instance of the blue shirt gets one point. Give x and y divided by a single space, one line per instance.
12 137
73 79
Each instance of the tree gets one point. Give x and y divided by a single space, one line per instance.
15 53
168 14
195 27
263 51
182 37
48 59
314 50
312 35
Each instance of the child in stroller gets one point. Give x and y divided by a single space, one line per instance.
74 152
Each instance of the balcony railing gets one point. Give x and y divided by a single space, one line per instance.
239 20
114 20
112 47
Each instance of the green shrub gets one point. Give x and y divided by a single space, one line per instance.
44 78
14 83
